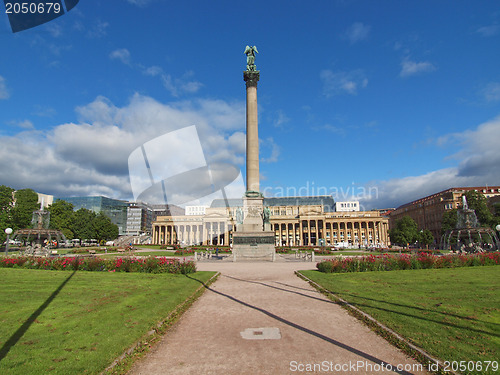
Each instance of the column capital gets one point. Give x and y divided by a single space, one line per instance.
251 78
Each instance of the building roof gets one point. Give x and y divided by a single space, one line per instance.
453 189
324 200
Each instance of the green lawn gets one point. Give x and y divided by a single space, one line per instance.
79 322
157 253
453 314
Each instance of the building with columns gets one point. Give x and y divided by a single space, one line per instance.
295 221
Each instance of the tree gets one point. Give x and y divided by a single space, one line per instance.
477 202
426 237
405 231
104 228
449 220
6 204
62 217
6 198
26 201
83 224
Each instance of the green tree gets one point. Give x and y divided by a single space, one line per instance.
449 220
496 214
426 237
6 199
83 224
6 204
478 202
405 231
104 228
26 201
62 217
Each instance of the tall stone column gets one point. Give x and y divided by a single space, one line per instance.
253 239
251 78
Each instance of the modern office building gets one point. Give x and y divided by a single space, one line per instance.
296 221
428 211
115 209
139 219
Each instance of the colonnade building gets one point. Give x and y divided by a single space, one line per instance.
296 221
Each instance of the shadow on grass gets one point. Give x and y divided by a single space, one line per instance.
447 324
27 324
304 329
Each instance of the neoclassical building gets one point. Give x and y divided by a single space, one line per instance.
296 221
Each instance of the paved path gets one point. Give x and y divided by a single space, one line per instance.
288 328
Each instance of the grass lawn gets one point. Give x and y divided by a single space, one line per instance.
453 314
158 253
79 322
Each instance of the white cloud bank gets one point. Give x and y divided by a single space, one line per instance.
478 165
410 68
91 157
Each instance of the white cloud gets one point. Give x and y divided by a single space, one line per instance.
121 54
25 124
335 83
280 120
98 29
91 157
478 165
357 32
4 92
488 31
176 86
267 145
330 128
140 3
54 29
409 68
491 93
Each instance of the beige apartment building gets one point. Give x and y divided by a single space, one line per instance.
428 211
296 221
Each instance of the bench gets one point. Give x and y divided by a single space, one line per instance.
92 251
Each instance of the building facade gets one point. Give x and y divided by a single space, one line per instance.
115 209
296 221
139 219
428 211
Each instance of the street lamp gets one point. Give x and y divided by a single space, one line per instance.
8 231
498 228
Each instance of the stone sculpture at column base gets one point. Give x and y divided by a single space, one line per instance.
251 241
253 246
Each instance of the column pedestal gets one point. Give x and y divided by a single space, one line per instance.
250 241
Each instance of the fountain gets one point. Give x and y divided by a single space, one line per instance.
468 236
39 238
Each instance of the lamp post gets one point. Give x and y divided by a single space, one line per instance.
8 231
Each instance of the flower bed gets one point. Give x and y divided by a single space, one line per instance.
147 265
389 262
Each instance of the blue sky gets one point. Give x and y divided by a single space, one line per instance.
388 101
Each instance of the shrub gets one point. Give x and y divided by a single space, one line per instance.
389 262
126 264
